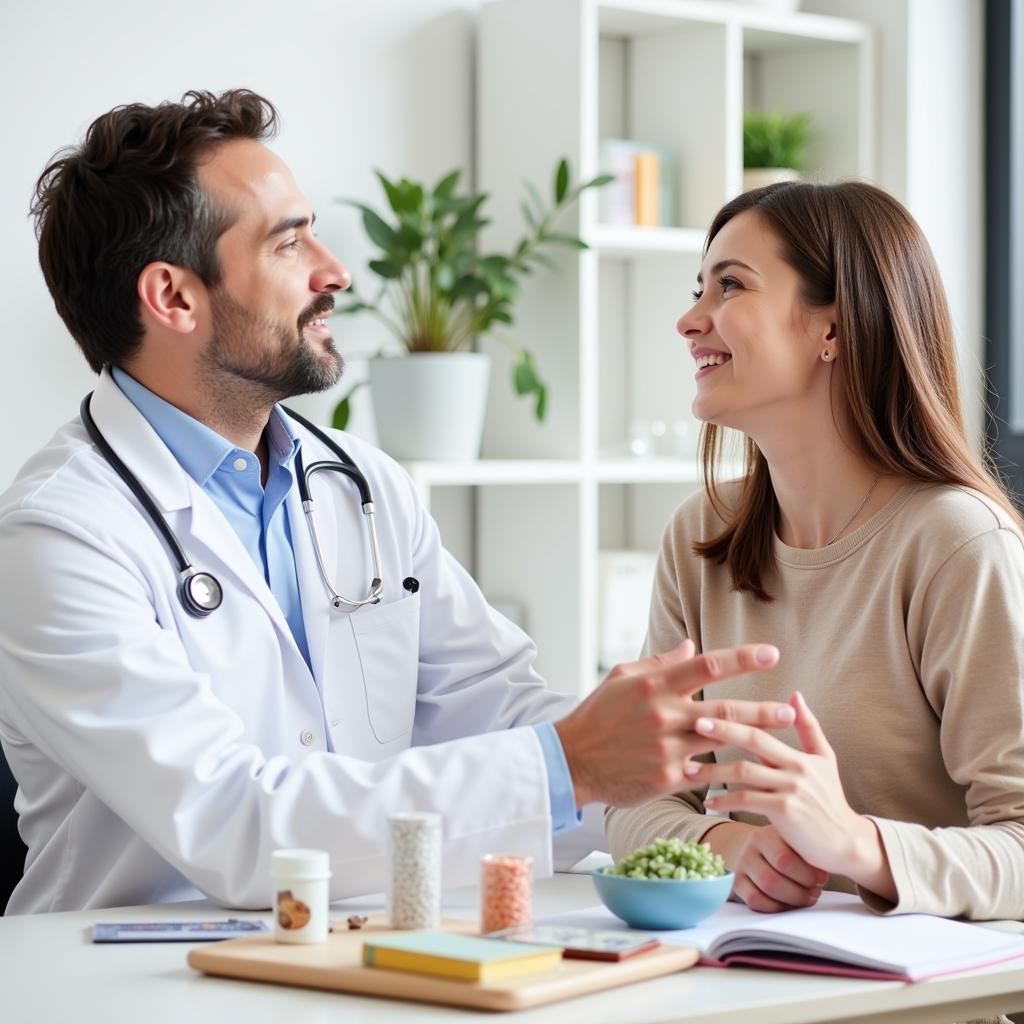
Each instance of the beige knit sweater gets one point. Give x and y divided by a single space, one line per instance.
907 640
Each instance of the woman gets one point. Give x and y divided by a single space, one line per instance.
872 547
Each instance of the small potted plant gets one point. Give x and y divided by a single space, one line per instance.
437 293
774 147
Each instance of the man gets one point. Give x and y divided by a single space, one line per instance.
164 751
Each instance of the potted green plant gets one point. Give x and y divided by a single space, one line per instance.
437 294
774 147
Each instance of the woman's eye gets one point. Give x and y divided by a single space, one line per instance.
727 284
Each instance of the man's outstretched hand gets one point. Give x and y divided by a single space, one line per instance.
632 738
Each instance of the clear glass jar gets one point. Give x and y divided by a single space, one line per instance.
414 870
506 892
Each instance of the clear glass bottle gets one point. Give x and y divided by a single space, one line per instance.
506 892
414 870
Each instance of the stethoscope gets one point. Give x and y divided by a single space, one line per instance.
200 592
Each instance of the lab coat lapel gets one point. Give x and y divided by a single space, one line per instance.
206 536
139 446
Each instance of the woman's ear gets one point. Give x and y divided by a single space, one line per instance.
169 297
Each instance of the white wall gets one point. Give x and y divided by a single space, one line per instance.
946 169
930 146
375 83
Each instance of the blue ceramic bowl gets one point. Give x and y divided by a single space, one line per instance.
662 903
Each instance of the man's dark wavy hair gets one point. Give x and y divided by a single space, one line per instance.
130 195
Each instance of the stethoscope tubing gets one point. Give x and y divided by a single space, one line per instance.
133 484
188 577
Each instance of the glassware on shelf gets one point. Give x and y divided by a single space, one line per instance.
658 439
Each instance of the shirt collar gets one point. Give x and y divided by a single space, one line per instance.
198 449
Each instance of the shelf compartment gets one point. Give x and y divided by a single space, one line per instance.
652 78
645 372
776 69
628 240
631 523
533 560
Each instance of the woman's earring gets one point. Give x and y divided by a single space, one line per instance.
826 356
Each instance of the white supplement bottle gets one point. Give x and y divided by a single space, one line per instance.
301 894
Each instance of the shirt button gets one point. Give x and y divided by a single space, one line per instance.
240 464
307 737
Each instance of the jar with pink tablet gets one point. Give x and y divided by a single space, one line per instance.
506 892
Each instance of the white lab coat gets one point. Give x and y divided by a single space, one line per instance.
160 756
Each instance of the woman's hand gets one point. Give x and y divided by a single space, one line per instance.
800 793
771 876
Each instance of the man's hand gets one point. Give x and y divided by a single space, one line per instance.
632 738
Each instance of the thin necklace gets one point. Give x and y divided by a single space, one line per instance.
856 511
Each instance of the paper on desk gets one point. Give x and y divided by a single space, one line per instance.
839 928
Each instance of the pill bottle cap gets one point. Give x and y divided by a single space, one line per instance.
300 864
415 819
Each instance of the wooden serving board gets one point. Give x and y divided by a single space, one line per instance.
337 965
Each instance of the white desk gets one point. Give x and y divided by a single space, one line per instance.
50 972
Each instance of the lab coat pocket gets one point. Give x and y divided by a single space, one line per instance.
388 641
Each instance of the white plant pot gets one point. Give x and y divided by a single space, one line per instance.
430 405
758 177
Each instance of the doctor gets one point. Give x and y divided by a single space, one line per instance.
168 729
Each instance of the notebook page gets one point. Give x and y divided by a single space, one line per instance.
839 927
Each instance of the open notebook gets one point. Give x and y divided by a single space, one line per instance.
837 936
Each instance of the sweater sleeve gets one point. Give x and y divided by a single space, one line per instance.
968 633
682 814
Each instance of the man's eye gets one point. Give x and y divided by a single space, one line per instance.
293 244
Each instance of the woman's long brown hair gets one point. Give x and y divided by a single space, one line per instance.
856 246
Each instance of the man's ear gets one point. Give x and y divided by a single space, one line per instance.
170 297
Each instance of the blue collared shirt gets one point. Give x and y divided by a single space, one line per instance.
231 477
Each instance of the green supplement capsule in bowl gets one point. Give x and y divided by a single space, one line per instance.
669 884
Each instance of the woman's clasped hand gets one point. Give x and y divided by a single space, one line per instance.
814 831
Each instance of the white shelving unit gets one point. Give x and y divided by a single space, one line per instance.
555 77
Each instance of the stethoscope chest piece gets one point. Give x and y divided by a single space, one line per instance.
201 593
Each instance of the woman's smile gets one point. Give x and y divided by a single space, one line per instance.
708 360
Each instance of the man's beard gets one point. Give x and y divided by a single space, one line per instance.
273 356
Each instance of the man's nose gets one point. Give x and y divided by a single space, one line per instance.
332 276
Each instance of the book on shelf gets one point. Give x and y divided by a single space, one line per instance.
449 955
641 193
839 935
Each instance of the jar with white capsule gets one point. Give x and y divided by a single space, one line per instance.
414 870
